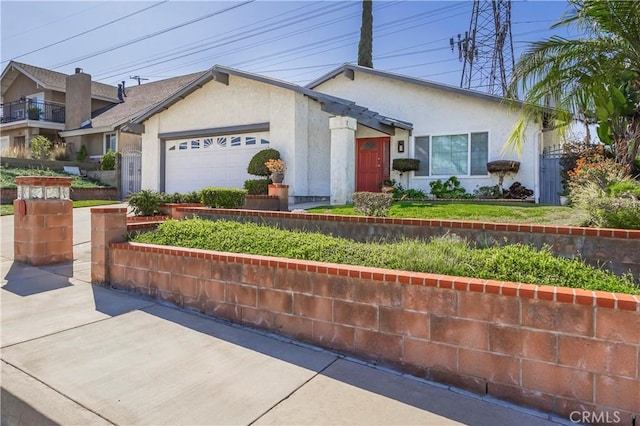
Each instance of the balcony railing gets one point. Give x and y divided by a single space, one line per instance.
32 110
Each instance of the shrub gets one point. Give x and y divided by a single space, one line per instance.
485 192
413 194
621 213
451 188
372 203
257 165
82 153
145 202
108 161
625 187
192 197
40 148
405 164
60 153
224 198
257 186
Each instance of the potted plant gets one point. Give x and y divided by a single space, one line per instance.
277 168
34 113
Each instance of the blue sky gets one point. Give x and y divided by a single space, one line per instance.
296 41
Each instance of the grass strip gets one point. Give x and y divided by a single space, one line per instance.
447 255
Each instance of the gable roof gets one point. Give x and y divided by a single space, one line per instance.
53 80
140 98
349 70
331 104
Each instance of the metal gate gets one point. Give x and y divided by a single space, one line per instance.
550 179
131 172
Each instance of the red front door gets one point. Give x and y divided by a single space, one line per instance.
372 163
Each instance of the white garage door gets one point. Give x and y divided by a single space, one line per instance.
192 164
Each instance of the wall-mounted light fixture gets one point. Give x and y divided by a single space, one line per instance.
400 146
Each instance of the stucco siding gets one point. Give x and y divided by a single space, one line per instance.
439 112
244 102
318 167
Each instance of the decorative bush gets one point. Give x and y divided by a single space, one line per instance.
108 161
372 203
60 153
451 188
82 154
145 202
257 186
518 191
488 192
405 164
223 198
257 165
40 148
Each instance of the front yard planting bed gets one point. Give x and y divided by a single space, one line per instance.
8 177
447 255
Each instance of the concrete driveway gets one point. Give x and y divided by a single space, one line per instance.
75 353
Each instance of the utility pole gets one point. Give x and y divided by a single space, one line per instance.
487 48
138 78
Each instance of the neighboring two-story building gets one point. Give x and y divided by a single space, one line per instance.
74 109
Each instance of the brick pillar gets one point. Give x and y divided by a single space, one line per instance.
43 221
282 192
108 225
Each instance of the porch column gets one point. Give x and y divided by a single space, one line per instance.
343 159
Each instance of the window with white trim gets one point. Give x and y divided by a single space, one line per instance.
110 143
464 154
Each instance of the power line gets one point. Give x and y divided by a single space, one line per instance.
89 30
186 47
148 36
48 23
245 35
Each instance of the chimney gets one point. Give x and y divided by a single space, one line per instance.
78 99
120 96
124 92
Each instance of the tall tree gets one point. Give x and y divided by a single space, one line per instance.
596 76
365 47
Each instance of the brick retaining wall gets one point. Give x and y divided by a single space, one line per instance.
552 348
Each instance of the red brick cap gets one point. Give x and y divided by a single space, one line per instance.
43 181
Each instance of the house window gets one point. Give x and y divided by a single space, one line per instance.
464 154
110 143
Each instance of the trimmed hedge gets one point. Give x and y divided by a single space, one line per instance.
223 198
256 165
257 186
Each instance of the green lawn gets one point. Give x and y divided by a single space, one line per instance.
7 209
481 211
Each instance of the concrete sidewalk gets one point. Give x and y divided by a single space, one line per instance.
75 353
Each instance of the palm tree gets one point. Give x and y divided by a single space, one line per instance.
365 47
594 77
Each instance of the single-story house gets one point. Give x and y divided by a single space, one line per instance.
455 131
337 135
